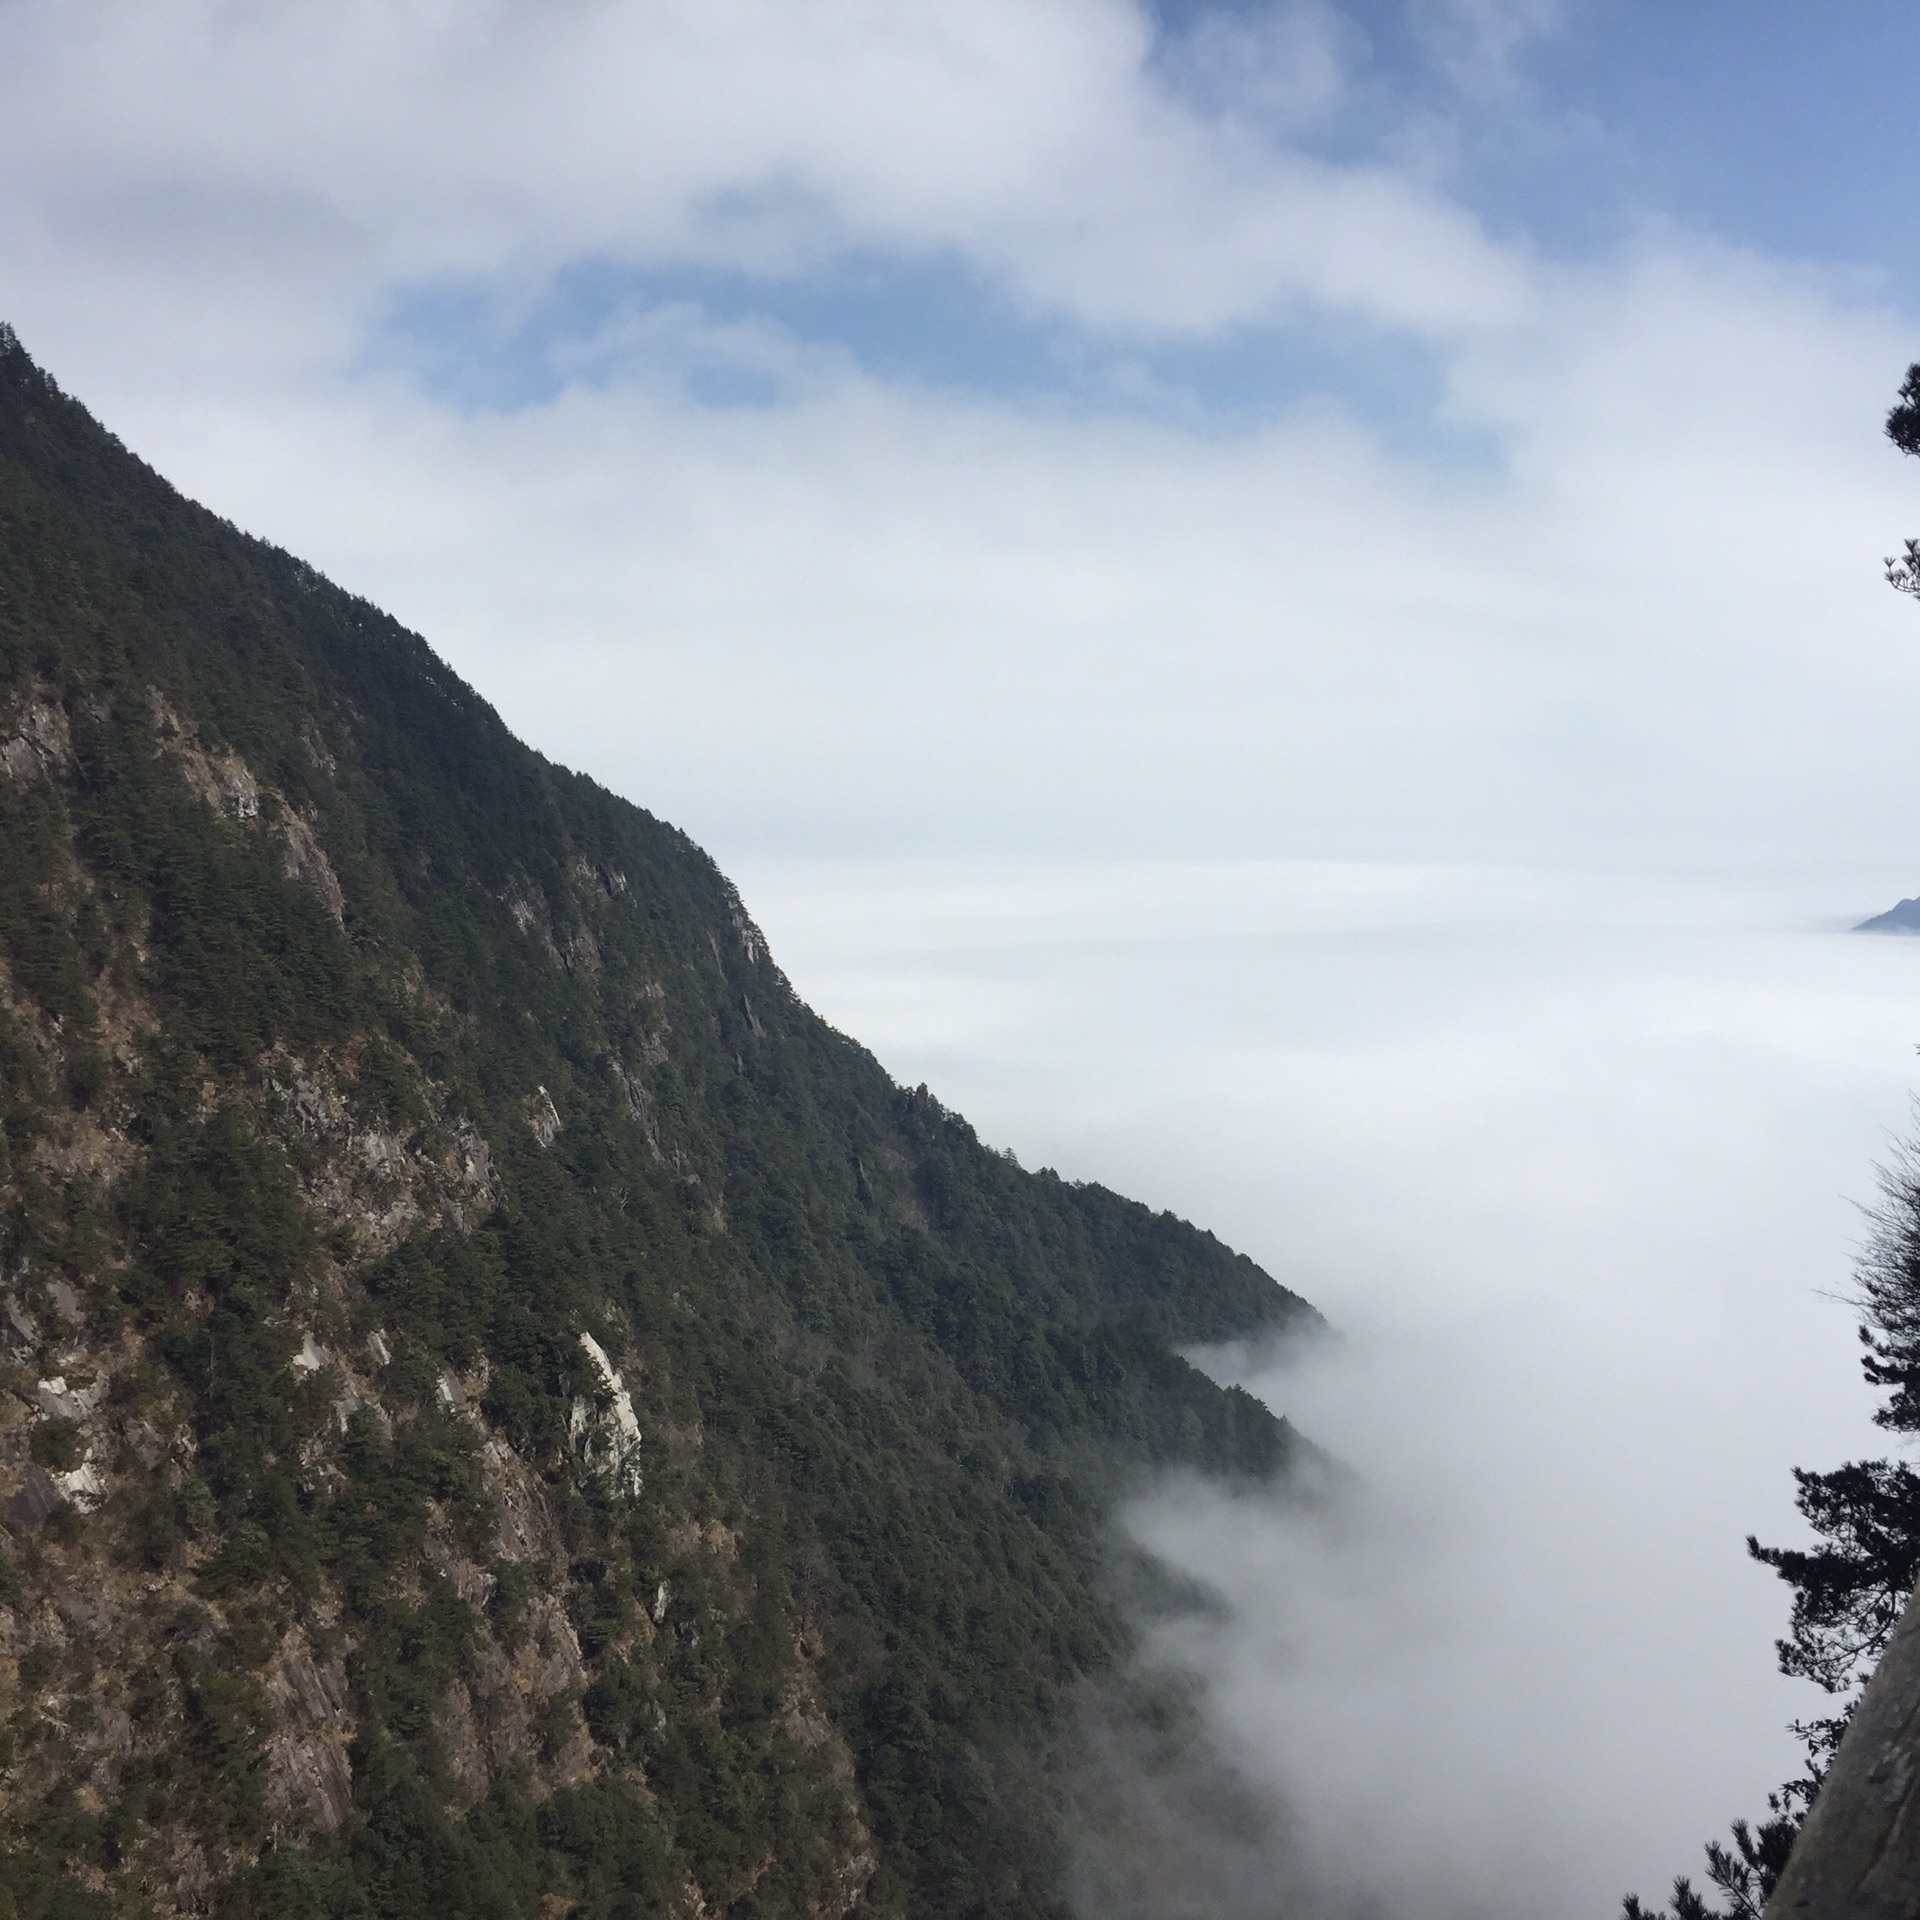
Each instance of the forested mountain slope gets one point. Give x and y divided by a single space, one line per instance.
502 1410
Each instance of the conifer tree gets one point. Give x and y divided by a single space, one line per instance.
1851 1587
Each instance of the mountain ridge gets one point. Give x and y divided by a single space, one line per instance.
1902 917
503 1410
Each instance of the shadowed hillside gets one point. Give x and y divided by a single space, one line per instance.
502 1410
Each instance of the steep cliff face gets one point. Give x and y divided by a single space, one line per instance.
502 1410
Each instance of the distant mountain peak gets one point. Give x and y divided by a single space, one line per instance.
1905 918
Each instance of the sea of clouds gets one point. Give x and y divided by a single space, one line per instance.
1572 1163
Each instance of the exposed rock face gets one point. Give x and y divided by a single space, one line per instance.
606 1438
227 784
310 1780
40 745
1858 1855
36 1499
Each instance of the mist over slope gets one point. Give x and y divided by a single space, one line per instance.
503 1410
1574 1161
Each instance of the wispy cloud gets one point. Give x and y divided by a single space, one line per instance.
1479 42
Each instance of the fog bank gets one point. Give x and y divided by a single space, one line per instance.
1571 1162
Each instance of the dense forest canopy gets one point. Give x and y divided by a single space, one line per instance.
503 1411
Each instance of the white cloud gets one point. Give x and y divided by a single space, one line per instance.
1284 66
343 148
1648 626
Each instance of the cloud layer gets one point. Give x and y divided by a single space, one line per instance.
1516 553
1643 624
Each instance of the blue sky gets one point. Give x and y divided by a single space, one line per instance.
1780 127
1566 129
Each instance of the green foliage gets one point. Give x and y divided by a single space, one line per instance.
608 1852
227 1719
56 1445
1903 421
33 1889
1851 1588
42 950
894 1377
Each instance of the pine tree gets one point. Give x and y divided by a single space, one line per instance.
1850 1589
